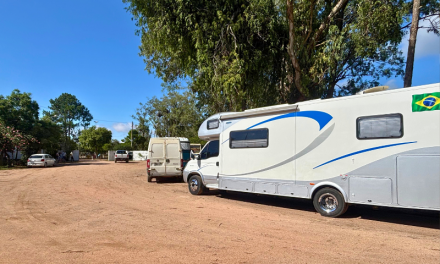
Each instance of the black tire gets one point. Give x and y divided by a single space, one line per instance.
115 161
195 185
126 161
149 179
329 202
45 164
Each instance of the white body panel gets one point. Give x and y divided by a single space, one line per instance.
315 144
165 155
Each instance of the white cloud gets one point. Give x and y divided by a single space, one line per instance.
427 44
122 127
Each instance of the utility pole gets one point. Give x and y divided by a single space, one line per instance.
132 134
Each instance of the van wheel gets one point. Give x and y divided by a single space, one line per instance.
115 161
195 185
329 202
149 179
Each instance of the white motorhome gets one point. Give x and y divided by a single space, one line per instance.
377 148
167 156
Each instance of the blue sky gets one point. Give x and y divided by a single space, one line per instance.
89 49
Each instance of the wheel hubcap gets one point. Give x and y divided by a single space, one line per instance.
328 202
194 185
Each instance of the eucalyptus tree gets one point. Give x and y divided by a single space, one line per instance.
176 114
241 54
421 10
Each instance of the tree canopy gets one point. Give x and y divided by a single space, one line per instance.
175 114
93 138
18 110
69 113
243 54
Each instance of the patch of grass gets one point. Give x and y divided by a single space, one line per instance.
12 168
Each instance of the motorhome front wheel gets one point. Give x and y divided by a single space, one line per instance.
195 185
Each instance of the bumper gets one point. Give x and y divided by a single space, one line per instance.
35 164
185 175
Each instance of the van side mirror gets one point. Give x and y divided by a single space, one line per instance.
198 156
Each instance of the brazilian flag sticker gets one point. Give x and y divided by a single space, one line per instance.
426 102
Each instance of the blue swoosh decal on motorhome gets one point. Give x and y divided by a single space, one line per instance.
362 151
321 117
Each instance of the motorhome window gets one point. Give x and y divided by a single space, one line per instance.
213 124
204 152
254 138
185 145
157 150
210 150
213 149
381 126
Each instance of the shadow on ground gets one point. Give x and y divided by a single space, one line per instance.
411 217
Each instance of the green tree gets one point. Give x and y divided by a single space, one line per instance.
93 138
113 145
140 142
12 139
242 54
49 137
69 113
143 127
18 110
176 114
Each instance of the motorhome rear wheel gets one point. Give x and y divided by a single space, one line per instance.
329 202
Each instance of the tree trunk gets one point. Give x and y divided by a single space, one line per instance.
291 49
412 44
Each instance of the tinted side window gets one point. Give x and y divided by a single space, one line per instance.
254 138
381 126
213 149
204 152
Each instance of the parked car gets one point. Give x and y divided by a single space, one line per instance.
41 160
121 155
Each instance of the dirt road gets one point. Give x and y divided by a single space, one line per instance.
102 212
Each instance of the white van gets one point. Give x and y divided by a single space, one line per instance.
377 148
167 157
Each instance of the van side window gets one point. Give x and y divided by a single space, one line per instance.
254 138
379 126
210 150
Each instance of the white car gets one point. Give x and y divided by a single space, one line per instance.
41 160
